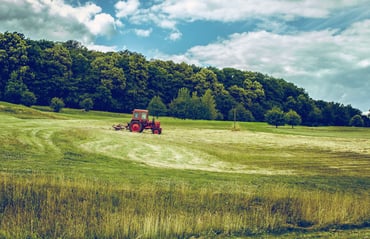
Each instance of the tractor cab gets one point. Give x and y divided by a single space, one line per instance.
140 115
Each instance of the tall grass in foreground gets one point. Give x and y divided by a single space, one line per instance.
51 207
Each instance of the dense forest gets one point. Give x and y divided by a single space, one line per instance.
37 72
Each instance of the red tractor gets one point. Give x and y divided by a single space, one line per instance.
140 121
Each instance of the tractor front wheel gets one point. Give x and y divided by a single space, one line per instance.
136 126
156 131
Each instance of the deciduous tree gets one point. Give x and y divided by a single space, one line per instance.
240 114
292 118
179 107
28 98
156 107
209 104
275 116
56 104
356 121
87 104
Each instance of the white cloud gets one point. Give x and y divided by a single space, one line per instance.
175 36
168 14
154 16
329 64
143 33
56 20
165 23
125 8
238 10
144 16
364 63
101 24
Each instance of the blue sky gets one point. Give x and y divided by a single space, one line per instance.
320 45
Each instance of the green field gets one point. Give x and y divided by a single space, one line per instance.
70 175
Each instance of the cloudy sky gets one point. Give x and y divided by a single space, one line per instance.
320 45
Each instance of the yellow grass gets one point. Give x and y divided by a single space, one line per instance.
51 207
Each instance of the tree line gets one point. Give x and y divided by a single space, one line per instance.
42 71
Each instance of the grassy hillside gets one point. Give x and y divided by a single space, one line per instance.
71 175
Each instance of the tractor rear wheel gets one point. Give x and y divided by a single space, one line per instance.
135 126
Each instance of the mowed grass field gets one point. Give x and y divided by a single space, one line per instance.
70 175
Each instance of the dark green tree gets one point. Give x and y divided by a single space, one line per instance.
56 104
136 94
258 112
28 98
87 104
122 81
83 79
156 107
13 57
314 117
111 82
53 74
203 80
79 55
224 102
356 121
290 104
16 91
240 113
304 106
208 101
196 109
103 98
158 80
232 77
254 91
273 88
180 106
292 118
239 94
275 116
14 88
